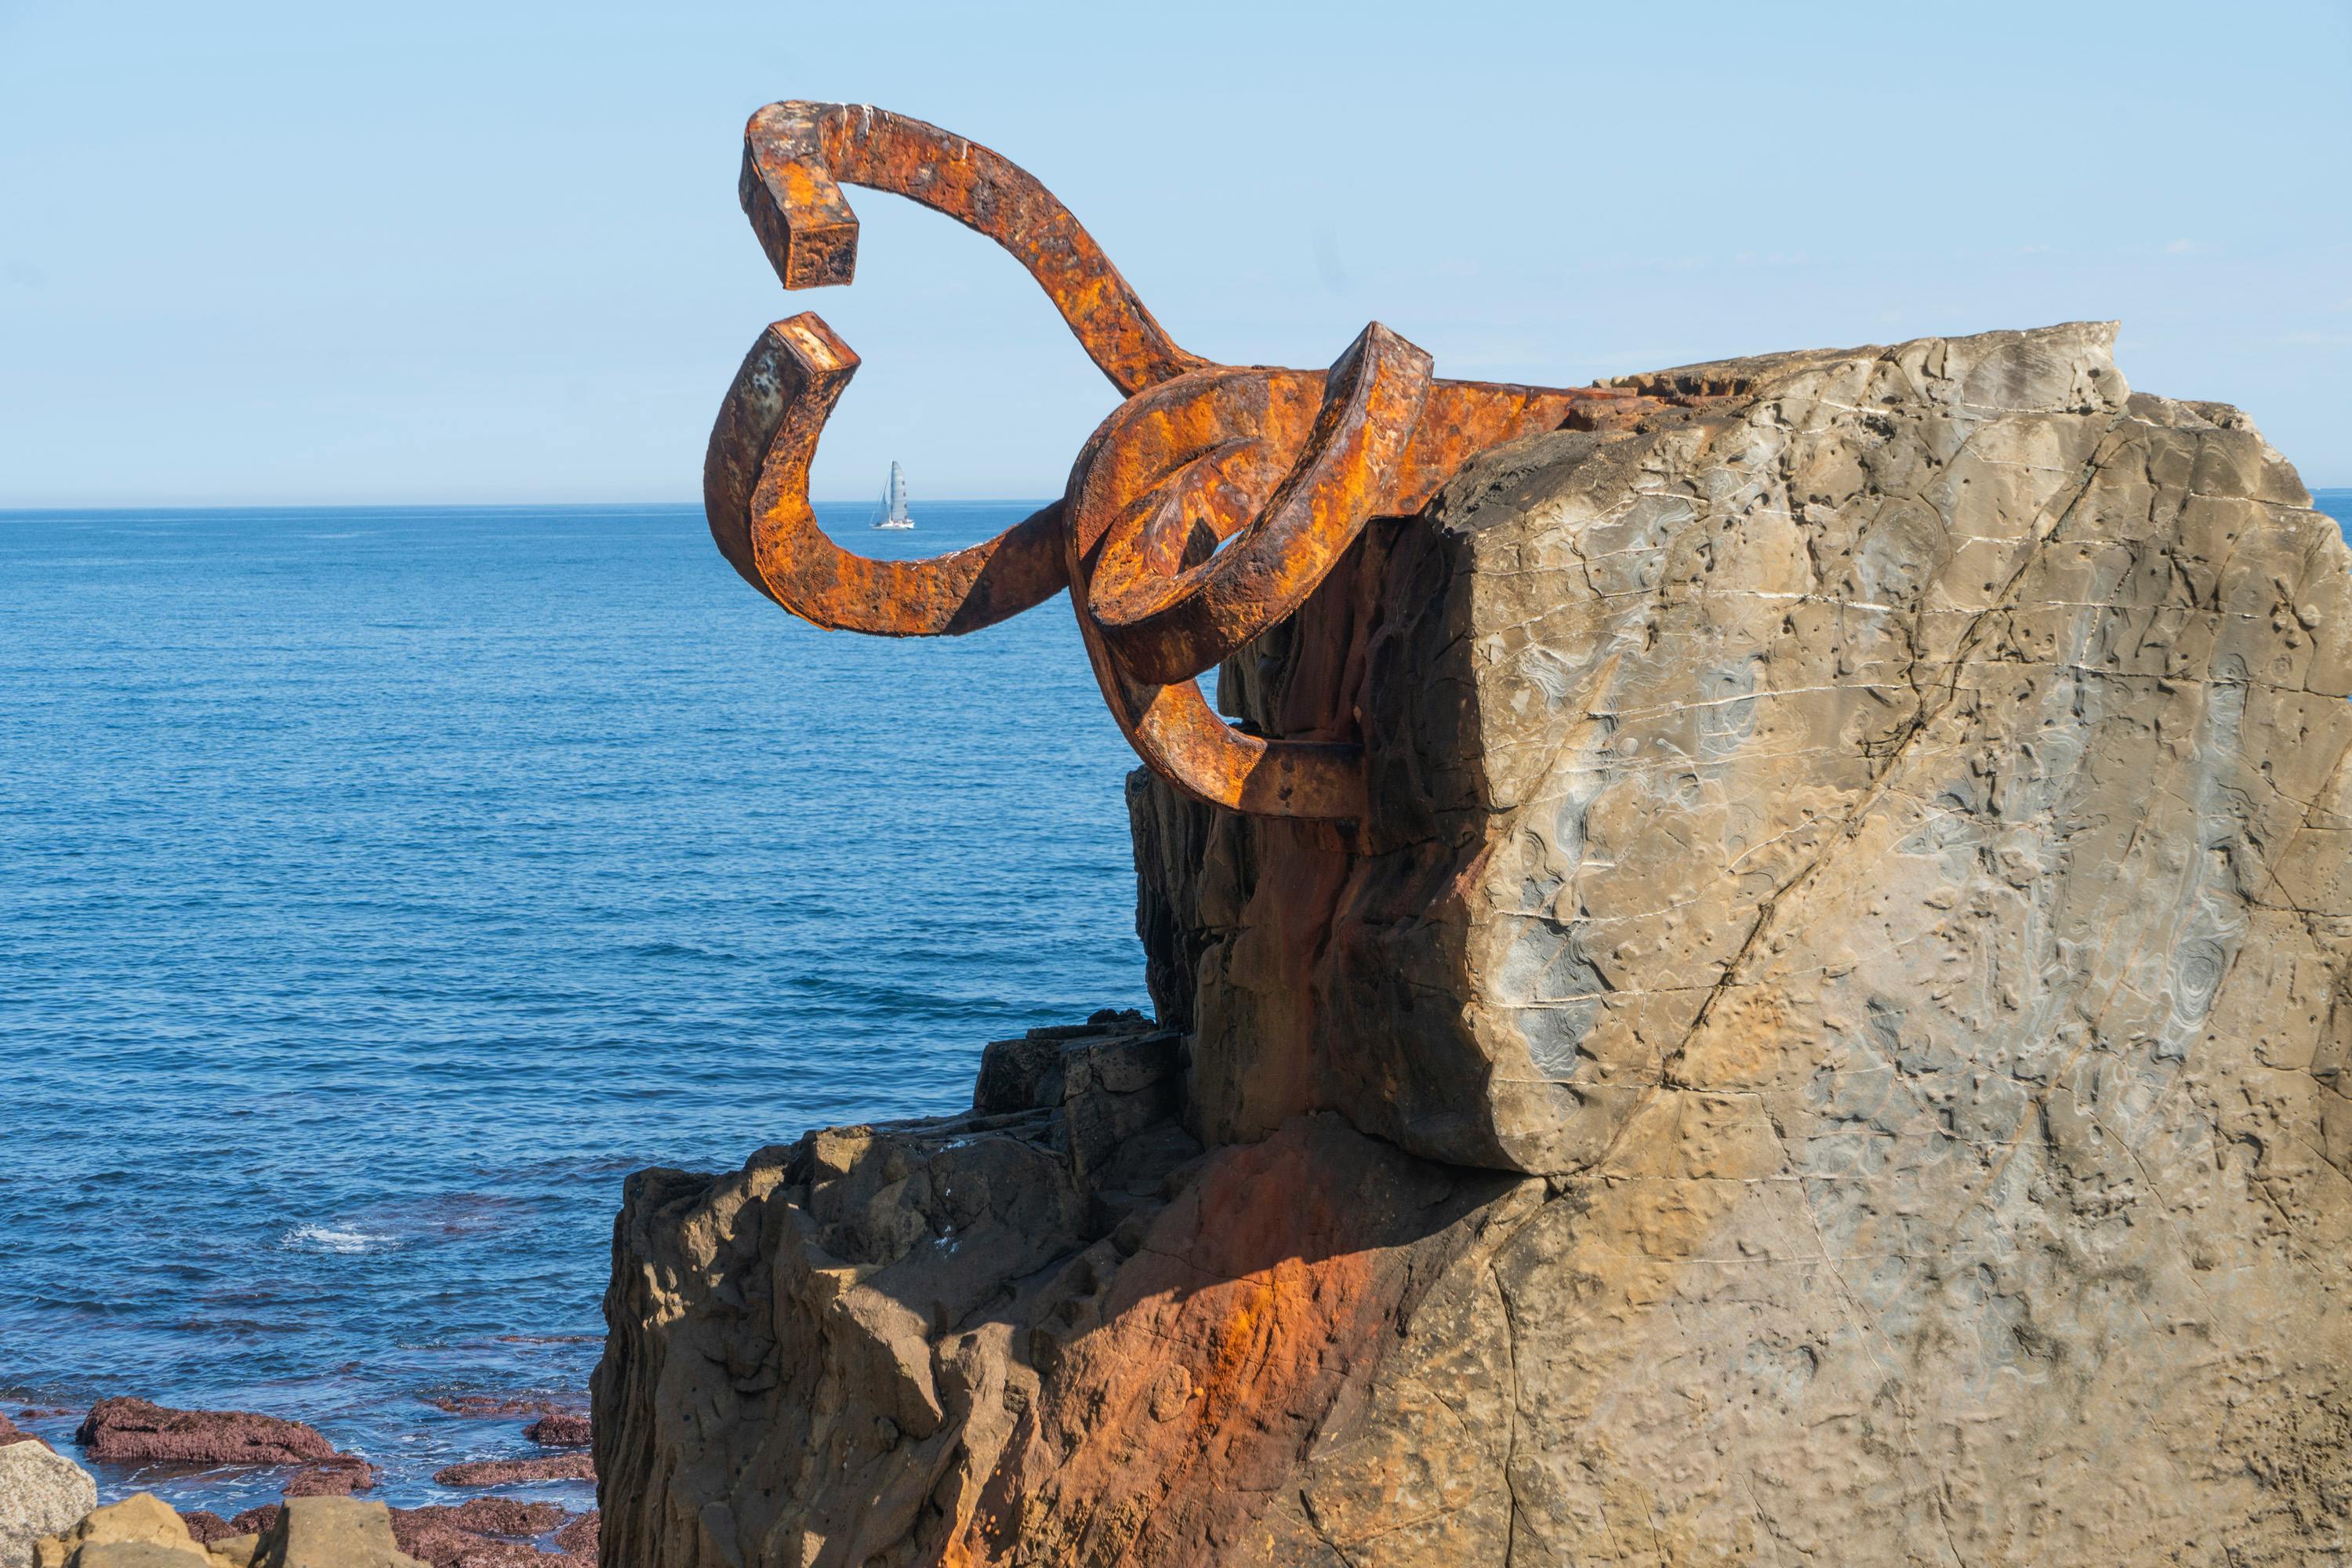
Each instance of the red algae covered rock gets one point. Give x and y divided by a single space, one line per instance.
477 1533
580 1538
338 1477
204 1527
509 1472
255 1521
495 1405
561 1430
11 1433
130 1431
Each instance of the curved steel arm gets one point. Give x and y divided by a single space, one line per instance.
797 156
755 494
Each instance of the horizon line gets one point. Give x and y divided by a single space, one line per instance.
15 509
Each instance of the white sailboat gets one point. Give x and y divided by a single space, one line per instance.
894 501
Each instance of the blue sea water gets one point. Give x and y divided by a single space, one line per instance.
380 887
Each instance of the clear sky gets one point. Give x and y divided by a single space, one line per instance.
265 253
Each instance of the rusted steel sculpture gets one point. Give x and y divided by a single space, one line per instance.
1201 512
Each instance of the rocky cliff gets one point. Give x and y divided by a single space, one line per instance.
1827 1047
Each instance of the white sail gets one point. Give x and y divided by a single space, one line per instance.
894 499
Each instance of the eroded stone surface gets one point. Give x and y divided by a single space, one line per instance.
141 1532
1830 1050
1139 1371
816 1354
330 1532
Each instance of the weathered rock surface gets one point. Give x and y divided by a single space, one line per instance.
1829 1048
41 1493
142 1532
330 1532
848 1307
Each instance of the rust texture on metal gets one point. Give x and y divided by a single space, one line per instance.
1201 512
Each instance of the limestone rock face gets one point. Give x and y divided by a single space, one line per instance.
1829 1046
41 1493
330 1532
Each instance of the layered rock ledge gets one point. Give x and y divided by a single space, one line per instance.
1828 1047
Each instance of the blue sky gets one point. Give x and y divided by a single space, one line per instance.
260 253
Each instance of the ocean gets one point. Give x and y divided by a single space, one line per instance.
381 886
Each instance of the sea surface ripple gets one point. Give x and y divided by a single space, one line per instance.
381 886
